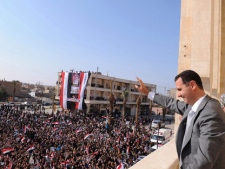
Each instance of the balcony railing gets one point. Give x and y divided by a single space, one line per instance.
163 158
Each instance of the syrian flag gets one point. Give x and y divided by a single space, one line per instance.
121 166
118 140
55 129
83 82
25 129
31 148
87 135
128 150
79 130
23 140
52 155
87 150
69 104
47 121
65 162
64 90
60 133
55 122
95 153
7 150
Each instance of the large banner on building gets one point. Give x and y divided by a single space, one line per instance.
83 82
72 90
64 89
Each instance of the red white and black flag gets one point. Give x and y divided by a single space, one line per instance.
72 89
64 90
69 90
83 82
7 150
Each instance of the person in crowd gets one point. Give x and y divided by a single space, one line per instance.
201 135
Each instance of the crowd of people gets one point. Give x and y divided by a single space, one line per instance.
61 140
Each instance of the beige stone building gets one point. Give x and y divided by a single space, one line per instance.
202 42
99 87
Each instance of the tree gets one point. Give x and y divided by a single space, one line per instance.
125 94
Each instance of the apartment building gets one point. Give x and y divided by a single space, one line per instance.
100 86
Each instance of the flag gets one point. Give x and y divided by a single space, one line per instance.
69 85
7 150
79 130
23 140
52 155
65 162
60 133
55 129
128 150
31 148
25 129
118 140
87 150
83 82
121 166
87 135
64 90
96 152
55 122
47 121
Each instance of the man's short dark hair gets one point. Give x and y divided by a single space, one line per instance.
189 75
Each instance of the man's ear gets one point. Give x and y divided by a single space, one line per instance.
193 84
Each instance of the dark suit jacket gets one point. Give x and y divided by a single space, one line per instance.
204 144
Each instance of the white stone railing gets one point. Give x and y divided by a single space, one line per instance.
163 158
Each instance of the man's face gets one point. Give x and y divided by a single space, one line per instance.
184 91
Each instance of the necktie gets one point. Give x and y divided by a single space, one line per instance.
189 118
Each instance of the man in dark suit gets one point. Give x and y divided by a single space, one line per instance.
200 139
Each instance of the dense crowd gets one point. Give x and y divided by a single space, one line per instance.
68 140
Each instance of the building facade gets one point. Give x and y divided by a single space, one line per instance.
12 88
202 42
100 86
